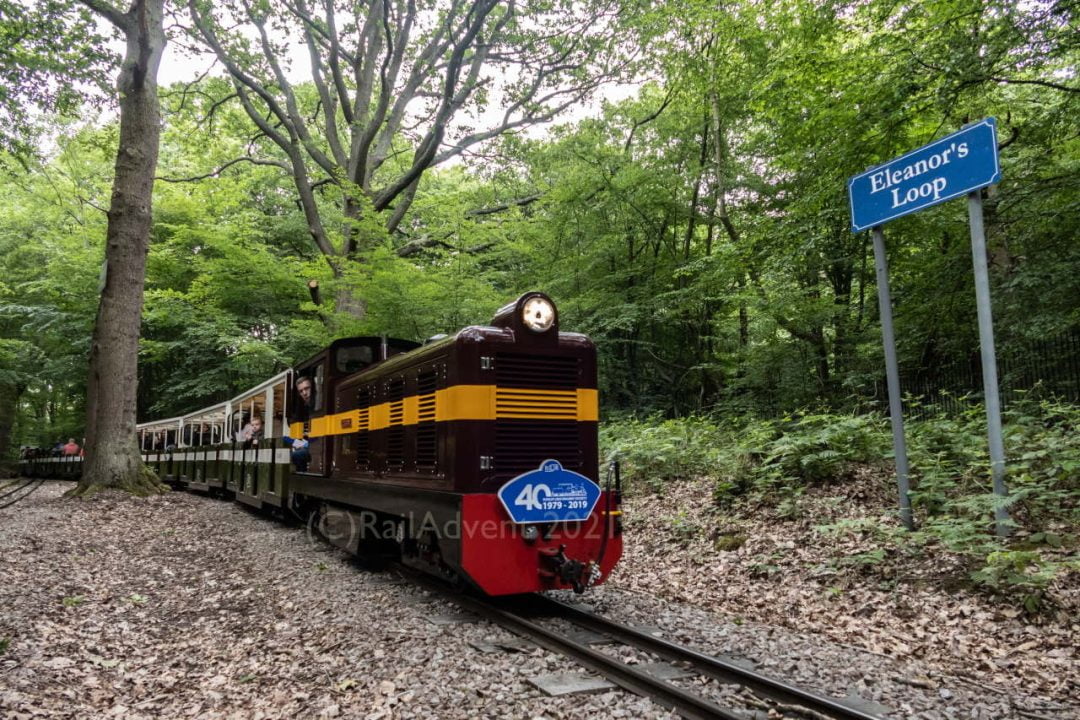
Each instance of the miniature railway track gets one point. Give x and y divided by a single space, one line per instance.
17 490
787 698
785 695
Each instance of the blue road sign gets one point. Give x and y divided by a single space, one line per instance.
944 169
549 494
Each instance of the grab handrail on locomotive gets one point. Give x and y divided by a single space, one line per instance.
473 456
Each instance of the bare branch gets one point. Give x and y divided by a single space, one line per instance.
364 68
424 68
190 88
425 152
648 118
404 202
218 171
298 124
1040 83
415 247
516 202
326 100
336 53
121 20
242 79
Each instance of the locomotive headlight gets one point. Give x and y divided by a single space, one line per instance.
529 533
538 314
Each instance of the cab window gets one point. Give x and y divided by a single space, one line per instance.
354 359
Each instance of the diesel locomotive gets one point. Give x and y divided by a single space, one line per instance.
472 456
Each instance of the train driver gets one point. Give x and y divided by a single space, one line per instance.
305 388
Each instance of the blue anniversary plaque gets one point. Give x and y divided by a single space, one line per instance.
549 494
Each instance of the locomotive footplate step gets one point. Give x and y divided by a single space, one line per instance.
665 671
385 580
452 619
570 683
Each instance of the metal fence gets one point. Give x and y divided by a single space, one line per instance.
1047 367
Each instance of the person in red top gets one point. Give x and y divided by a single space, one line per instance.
72 447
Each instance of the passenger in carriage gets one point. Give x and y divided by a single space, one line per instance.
72 447
299 453
252 433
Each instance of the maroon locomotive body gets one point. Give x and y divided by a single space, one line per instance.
411 445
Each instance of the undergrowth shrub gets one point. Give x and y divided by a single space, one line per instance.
655 452
816 448
774 461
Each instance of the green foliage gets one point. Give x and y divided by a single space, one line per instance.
417 300
790 452
729 542
655 452
816 448
52 51
1022 572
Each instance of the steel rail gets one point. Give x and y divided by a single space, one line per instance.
776 690
30 487
14 486
687 704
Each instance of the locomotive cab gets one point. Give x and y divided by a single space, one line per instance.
313 383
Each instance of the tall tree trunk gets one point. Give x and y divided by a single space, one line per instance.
112 452
720 152
9 400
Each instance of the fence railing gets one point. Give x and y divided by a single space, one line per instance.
1048 366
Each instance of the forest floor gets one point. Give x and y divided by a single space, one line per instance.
756 564
184 606
181 606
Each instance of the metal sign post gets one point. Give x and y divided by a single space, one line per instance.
989 360
959 164
892 374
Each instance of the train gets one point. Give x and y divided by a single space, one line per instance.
471 456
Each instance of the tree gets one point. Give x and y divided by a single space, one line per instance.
49 53
390 86
112 453
49 258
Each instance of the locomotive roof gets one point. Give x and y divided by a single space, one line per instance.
354 342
